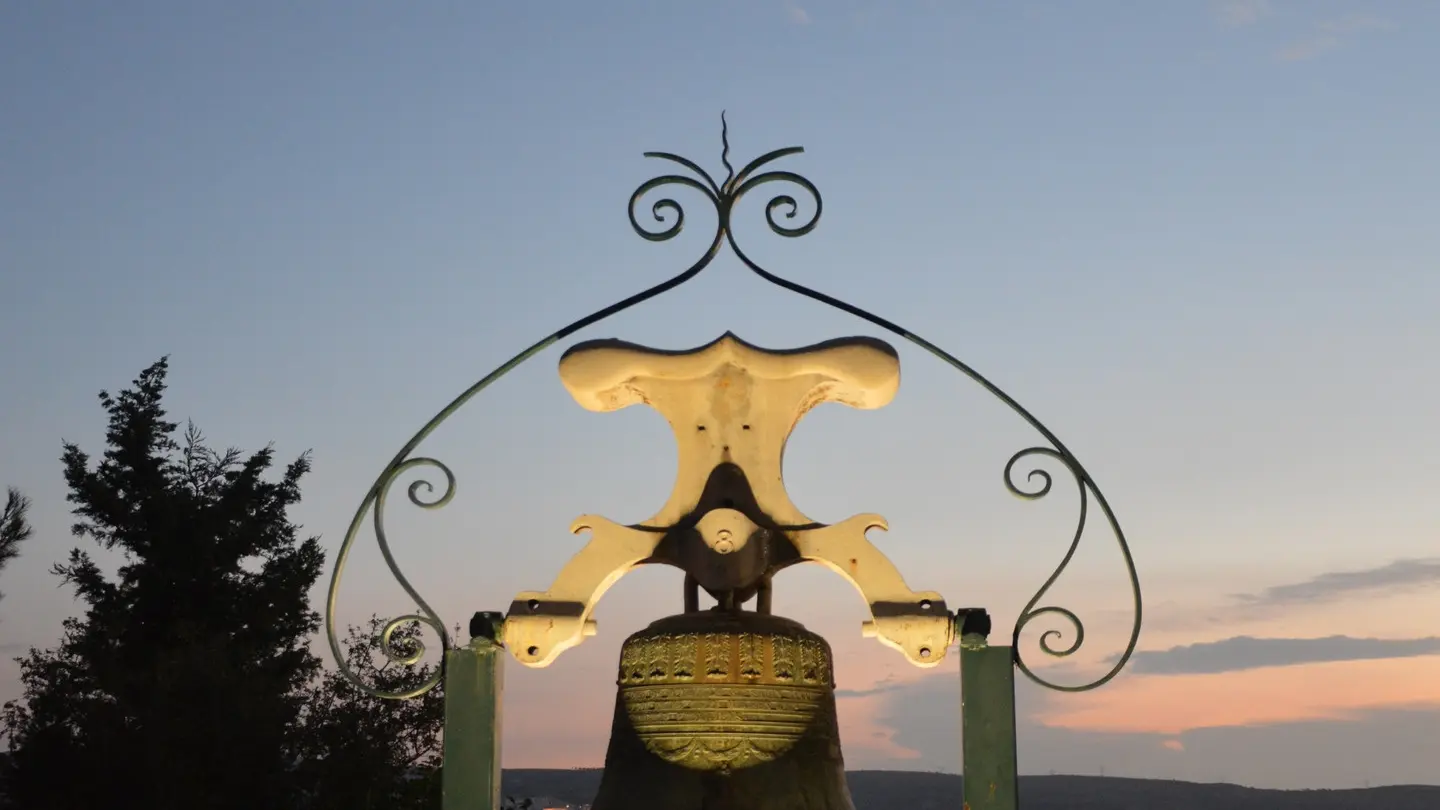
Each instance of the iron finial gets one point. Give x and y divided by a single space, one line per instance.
725 152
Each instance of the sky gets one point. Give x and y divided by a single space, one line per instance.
1198 240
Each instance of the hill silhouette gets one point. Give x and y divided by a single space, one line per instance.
911 790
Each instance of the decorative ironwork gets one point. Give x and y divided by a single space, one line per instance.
724 197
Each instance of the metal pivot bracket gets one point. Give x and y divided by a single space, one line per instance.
729 523
916 623
541 625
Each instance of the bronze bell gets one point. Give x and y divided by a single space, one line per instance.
724 710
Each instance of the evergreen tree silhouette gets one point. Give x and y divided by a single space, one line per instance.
14 526
183 684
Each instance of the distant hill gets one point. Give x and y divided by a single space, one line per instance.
909 790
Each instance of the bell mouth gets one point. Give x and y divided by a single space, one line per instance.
722 691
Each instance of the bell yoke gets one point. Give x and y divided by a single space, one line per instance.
729 524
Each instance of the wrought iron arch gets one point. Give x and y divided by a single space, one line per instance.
724 196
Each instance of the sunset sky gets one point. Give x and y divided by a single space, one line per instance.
1199 240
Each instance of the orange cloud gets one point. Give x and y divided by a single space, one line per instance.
866 736
860 666
1173 704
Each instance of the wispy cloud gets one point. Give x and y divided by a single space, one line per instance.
797 15
1328 35
1355 22
1173 704
1398 575
887 684
1307 48
1273 727
1244 652
1238 13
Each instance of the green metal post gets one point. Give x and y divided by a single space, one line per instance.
987 717
474 681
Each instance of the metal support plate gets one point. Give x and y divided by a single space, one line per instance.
987 710
474 682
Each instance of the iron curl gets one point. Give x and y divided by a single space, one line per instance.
413 649
784 201
1031 611
1037 472
667 204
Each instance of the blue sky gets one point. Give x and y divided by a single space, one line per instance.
1197 239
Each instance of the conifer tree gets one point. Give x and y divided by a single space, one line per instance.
183 683
14 525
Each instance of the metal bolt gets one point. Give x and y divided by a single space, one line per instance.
487 624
